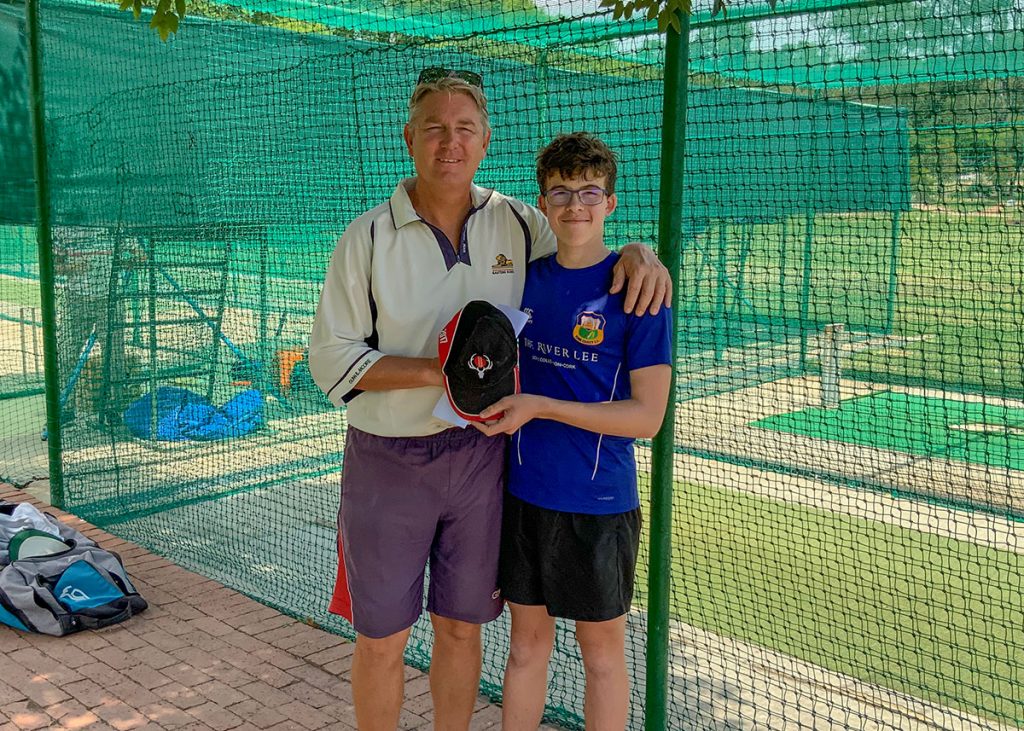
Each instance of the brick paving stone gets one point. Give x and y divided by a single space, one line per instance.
78 720
122 637
166 715
116 658
120 715
304 715
280 659
132 693
66 654
148 677
319 679
163 640
179 695
27 716
259 626
216 717
264 693
306 693
417 686
257 714
330 654
9 695
153 657
201 658
35 688
87 692
186 674
221 693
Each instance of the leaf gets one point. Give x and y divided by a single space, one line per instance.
663 20
137 9
179 8
652 12
125 4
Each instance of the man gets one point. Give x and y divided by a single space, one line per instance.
416 491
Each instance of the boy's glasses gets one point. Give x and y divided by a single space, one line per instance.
589 196
436 73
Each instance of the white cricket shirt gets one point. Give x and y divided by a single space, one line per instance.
392 284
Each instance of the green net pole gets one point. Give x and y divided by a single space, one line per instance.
721 264
805 289
44 240
670 228
894 256
782 277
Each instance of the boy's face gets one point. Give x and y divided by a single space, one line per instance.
574 223
447 140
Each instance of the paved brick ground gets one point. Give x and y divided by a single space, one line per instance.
202 657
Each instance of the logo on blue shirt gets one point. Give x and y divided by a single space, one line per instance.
589 328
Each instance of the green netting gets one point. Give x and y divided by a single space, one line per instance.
858 564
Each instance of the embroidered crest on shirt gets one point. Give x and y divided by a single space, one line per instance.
589 328
502 265
480 363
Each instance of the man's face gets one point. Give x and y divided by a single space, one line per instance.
447 140
576 224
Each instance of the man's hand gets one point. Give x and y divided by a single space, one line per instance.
510 413
649 286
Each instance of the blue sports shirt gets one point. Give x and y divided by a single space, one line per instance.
580 346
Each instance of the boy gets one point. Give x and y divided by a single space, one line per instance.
593 379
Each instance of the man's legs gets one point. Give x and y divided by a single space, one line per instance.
377 680
606 699
454 672
526 673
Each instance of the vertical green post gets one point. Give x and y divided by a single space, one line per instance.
151 314
782 278
542 97
894 257
670 230
44 240
265 350
805 288
721 264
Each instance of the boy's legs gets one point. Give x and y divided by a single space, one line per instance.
606 699
526 673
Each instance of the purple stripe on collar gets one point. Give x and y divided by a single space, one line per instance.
527 238
447 251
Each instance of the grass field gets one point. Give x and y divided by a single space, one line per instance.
930 616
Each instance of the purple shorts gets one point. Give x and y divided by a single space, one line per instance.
409 500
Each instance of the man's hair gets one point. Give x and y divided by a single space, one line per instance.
452 85
577 154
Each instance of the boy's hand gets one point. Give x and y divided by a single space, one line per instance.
510 413
649 285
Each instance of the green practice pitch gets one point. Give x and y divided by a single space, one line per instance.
981 433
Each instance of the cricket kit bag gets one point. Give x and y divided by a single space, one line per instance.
58 584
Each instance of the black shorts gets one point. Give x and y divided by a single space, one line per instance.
577 565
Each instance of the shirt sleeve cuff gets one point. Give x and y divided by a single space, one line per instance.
350 380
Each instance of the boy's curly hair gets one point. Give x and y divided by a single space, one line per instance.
577 154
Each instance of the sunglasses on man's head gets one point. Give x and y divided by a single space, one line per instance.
436 73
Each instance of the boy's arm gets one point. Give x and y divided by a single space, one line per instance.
636 417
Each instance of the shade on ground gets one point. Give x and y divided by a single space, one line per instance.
981 433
